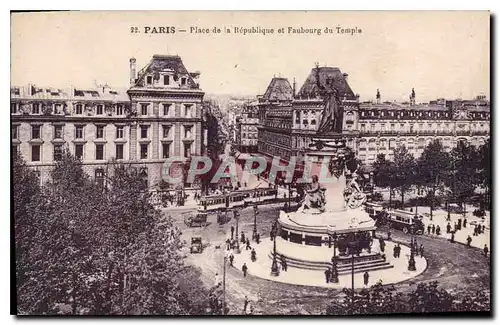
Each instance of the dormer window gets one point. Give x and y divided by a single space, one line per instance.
183 81
99 109
57 108
166 80
35 109
79 109
149 80
119 109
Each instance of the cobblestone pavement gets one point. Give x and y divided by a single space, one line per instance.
452 264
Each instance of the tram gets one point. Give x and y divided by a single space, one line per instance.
260 195
373 209
404 220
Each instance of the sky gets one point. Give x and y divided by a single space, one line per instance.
440 54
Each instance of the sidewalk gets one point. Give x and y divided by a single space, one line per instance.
439 218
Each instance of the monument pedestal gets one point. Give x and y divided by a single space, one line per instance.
328 221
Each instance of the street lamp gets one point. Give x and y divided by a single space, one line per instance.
411 262
275 271
353 246
224 287
335 273
237 248
255 213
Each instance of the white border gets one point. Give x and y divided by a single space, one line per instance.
198 5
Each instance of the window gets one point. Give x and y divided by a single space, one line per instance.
363 127
119 109
166 80
166 109
15 131
119 151
183 81
79 151
58 131
79 109
188 133
57 152
13 108
187 110
35 108
392 127
187 150
149 80
144 109
144 132
99 152
35 132
79 132
144 151
35 153
100 132
119 132
166 150
100 109
99 177
58 109
166 131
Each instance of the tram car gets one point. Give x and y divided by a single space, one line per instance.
373 209
212 203
404 220
260 195
236 199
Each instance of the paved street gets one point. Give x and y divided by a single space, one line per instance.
452 264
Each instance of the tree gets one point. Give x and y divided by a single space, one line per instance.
432 169
383 174
463 177
83 247
403 171
485 169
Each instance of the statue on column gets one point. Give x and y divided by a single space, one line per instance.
333 113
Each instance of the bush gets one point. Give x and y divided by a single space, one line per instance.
377 196
479 213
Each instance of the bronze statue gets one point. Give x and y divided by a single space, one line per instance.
333 112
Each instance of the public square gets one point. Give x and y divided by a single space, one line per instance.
454 265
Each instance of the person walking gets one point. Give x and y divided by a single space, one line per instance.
448 228
245 305
232 232
228 244
244 268
366 277
327 275
242 237
382 245
459 224
483 228
421 249
433 230
485 250
465 222
399 250
231 259
452 237
253 255
257 238
469 240
248 245
389 234
395 251
284 266
438 230
429 228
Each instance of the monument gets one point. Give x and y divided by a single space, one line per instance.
331 216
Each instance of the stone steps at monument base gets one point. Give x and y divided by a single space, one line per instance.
359 266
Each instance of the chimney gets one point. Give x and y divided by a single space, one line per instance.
293 87
132 72
345 75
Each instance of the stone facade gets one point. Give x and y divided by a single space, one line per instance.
288 124
159 116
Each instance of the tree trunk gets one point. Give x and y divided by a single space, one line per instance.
433 194
390 196
402 198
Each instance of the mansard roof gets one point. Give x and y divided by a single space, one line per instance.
279 89
310 88
166 63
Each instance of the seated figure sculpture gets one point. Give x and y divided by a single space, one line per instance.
315 196
353 195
